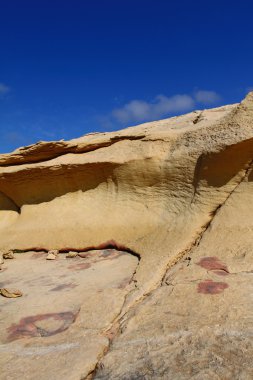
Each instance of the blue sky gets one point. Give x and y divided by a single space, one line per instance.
72 67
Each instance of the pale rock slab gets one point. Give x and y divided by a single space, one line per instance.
57 329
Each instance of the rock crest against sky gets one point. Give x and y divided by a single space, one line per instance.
69 68
161 217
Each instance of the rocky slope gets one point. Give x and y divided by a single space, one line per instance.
175 199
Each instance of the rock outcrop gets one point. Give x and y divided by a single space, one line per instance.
176 196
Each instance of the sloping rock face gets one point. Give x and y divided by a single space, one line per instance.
177 193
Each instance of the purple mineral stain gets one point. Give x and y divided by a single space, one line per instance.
29 326
211 287
213 263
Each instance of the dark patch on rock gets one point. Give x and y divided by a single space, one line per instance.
110 254
214 264
211 287
39 325
79 266
100 255
109 244
62 287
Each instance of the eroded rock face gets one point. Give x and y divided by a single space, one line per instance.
198 323
178 194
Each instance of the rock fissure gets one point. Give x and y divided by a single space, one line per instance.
213 214
110 332
120 319
111 244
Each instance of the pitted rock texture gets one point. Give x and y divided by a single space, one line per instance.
176 193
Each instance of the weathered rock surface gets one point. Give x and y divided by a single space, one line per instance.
56 330
199 323
178 193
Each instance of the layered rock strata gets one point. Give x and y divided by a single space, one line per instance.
176 193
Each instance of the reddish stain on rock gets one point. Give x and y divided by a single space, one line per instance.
109 244
112 244
79 266
214 264
101 255
27 326
62 287
211 287
110 254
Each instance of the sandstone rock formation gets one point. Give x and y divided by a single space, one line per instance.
175 197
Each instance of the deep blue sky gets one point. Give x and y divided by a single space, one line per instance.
72 67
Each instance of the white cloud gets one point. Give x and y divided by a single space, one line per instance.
4 89
140 110
207 97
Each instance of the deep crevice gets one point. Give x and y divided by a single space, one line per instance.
113 330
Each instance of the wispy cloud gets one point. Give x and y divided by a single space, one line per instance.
207 97
139 110
4 89
161 106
